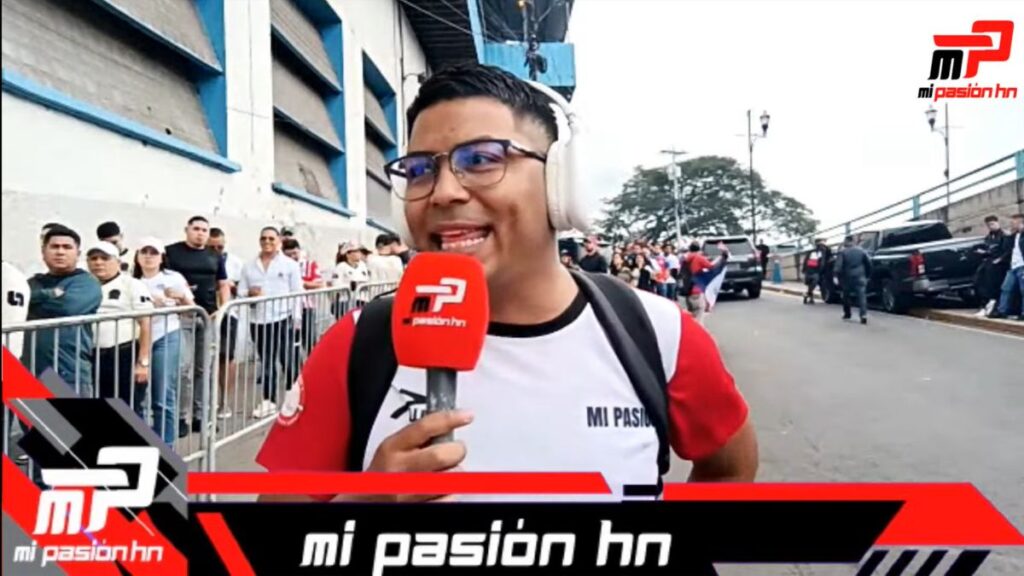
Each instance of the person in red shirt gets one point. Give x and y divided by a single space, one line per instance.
311 280
474 182
695 301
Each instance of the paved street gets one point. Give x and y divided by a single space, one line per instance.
901 399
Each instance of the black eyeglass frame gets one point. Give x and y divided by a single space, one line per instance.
392 172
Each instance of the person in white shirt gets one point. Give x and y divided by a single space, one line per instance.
350 271
672 264
123 345
167 289
1014 280
16 294
276 320
234 330
384 266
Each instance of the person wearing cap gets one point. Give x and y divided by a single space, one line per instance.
111 232
123 345
593 260
167 289
350 266
64 290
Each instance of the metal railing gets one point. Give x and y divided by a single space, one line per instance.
260 346
208 376
97 356
1000 171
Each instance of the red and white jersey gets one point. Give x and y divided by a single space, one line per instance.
309 268
547 397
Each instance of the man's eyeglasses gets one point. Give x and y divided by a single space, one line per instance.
268 238
476 164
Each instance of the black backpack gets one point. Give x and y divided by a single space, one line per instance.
617 308
685 280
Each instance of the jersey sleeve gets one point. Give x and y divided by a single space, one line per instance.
704 406
313 427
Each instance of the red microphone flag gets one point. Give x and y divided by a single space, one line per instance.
440 313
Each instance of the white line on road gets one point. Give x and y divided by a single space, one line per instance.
915 319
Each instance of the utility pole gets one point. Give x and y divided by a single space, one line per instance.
930 114
677 191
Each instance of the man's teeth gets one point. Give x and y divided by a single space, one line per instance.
461 244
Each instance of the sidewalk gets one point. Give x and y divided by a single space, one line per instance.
959 317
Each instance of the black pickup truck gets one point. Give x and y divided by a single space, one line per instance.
913 260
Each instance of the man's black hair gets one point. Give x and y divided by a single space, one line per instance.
61 230
476 80
197 218
49 225
289 244
991 218
386 239
694 247
107 229
216 233
274 228
1018 216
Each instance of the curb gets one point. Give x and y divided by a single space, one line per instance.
987 324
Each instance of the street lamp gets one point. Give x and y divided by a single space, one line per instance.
676 175
751 138
930 114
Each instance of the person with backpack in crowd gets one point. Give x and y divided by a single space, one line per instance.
814 263
474 183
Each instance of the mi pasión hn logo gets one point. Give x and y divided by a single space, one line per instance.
959 56
431 299
62 508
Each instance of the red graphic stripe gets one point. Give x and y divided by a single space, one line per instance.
932 514
224 542
963 41
395 483
20 384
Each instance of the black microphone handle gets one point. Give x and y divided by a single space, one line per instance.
441 396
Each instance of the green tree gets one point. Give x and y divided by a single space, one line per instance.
715 200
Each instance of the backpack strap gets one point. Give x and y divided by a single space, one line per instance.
632 336
371 368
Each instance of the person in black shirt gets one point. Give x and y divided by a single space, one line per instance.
592 260
207 277
763 251
989 277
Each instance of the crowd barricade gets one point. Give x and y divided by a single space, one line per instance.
208 376
260 345
97 356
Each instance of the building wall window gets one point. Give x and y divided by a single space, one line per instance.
381 143
149 69
309 109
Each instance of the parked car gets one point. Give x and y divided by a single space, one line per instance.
743 269
915 260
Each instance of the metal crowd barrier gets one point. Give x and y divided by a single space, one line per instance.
71 347
260 345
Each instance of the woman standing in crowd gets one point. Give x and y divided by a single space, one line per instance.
350 270
167 288
643 273
619 269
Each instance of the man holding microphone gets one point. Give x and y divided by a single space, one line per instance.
474 183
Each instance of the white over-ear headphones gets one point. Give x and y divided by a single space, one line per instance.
566 209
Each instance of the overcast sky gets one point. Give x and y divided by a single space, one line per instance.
839 79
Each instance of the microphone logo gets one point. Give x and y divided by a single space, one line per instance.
449 291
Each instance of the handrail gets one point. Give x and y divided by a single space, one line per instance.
918 203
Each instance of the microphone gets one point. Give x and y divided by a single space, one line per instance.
439 321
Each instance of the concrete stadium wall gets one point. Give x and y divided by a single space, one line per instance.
59 168
967 216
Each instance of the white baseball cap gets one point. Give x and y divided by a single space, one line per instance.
151 242
105 247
